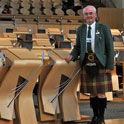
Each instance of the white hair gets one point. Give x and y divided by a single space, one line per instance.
89 6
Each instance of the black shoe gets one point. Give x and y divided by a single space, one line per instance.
68 122
94 120
101 121
71 122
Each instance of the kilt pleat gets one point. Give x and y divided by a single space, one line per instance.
101 83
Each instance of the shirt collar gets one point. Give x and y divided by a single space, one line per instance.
92 26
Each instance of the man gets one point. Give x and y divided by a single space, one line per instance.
94 47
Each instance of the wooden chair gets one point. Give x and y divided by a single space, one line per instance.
15 6
115 80
47 7
24 11
80 12
48 12
47 4
115 32
57 4
59 12
25 7
71 38
118 45
36 7
70 12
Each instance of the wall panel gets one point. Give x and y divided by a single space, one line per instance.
111 16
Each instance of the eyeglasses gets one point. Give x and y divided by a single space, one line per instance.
90 13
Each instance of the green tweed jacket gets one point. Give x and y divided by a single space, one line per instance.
103 45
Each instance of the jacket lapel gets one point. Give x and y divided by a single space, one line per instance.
84 30
97 33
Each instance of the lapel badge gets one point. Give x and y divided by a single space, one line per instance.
97 32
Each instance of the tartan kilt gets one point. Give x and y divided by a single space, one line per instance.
101 83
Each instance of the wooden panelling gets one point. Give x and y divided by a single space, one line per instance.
111 16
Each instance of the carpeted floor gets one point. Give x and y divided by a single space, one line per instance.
115 110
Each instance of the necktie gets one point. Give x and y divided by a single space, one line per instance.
89 32
89 42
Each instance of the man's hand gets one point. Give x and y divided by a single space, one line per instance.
68 58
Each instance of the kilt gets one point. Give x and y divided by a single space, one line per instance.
101 83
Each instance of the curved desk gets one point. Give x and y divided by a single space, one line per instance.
58 72
21 64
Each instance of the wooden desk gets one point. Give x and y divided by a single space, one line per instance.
42 43
19 65
53 31
37 36
52 77
5 42
8 36
21 30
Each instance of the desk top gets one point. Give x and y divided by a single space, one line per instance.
60 53
55 31
20 54
5 43
21 32
8 38
9 35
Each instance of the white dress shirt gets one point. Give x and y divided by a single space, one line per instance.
92 36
